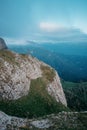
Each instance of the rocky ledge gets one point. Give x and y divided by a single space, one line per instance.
61 121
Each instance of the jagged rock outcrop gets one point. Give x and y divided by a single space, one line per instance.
17 71
60 121
2 44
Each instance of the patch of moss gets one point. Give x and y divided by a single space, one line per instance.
48 73
1 65
24 56
37 103
8 56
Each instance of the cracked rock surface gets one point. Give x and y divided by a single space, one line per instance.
61 121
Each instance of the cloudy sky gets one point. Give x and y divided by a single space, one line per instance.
43 19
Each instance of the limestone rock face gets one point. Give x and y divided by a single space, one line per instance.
16 73
7 122
2 44
55 89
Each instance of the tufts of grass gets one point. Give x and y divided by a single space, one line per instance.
24 56
36 104
48 73
8 56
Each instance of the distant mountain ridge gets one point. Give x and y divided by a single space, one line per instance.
70 67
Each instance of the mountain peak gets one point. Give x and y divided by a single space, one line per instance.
2 44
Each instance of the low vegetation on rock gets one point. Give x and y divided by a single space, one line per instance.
24 83
60 121
8 56
37 103
48 73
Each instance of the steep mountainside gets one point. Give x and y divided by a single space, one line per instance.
17 71
29 87
2 44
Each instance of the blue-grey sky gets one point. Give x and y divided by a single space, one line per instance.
42 19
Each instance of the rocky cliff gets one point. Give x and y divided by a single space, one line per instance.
17 71
2 44
28 87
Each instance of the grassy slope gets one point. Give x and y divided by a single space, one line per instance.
37 103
